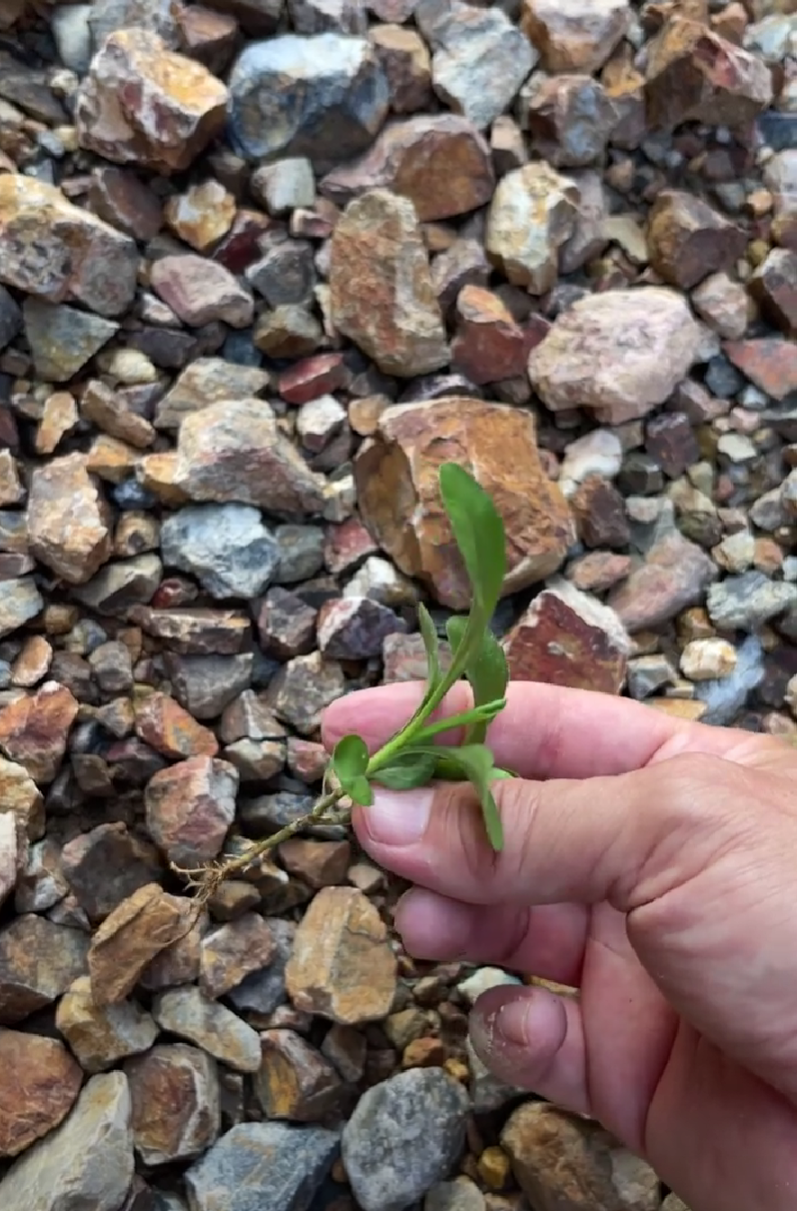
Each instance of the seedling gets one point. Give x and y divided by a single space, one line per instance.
411 757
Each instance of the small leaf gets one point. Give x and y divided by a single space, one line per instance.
359 790
476 715
478 531
431 644
349 760
475 764
407 771
486 670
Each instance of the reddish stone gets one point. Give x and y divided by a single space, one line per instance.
34 730
489 345
307 759
347 545
775 286
600 514
770 362
239 248
312 377
598 571
669 439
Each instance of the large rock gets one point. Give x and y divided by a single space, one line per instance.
323 97
578 36
674 576
381 289
399 496
688 239
34 731
619 354
176 1103
39 1081
226 547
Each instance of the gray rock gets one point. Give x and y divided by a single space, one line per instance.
121 584
189 1014
748 601
726 696
301 552
20 601
86 1164
405 1134
157 16
62 339
317 16
204 685
323 97
72 34
226 547
262 1167
10 318
285 185
263 991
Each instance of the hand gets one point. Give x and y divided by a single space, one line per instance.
652 864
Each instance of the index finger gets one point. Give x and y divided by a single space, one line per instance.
545 731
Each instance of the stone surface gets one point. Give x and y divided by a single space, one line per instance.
774 284
232 952
226 547
294 1081
102 1035
176 1104
354 628
39 1082
106 865
207 381
577 36
768 361
128 939
34 730
62 339
674 576
532 214
688 240
20 601
201 292
187 1013
401 465
190 807
68 519
746 602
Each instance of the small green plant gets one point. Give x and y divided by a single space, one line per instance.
411 757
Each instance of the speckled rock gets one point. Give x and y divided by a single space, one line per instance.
62 339
226 547
34 731
39 1082
674 576
102 1035
176 1104
38 962
190 807
532 214
577 36
68 519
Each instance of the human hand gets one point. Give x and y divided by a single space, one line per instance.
652 863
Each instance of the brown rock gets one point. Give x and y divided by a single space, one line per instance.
143 104
128 939
68 519
20 796
109 411
342 966
670 439
179 963
35 728
568 638
675 575
624 86
688 240
232 952
402 464
102 1035
169 729
316 863
563 1162
38 962
532 214
122 199
598 571
190 807
489 344
207 381
570 119
201 215
60 252
575 37
774 284
600 514
294 1081
770 362
441 163
407 64
694 75
176 1103
382 296
723 304
39 1082
201 292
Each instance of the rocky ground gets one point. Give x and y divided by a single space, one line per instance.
264 264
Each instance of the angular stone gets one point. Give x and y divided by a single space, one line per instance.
20 796
169 729
303 689
196 629
354 628
204 685
774 284
38 962
619 353
570 120
288 331
381 290
600 514
101 1036
780 177
176 1103
324 97
232 952
235 451
688 239
262 1167
143 104
405 1134
707 659
285 185
20 601
86 1162
35 728
674 576
39 1082
489 343
670 440
768 361
190 807
11 855
748 601
407 65
158 15
207 381
68 519
531 215
201 292
120 585
105 866
226 547
122 199
342 966
401 463
126 941
723 304
294 1081
178 963
440 162
62 339
201 215
579 36
109 412
568 638
60 252
190 1015
316 863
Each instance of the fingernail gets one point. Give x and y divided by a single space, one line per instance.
399 818
512 1023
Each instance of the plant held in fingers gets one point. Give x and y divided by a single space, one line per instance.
412 757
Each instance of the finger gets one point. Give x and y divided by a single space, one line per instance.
547 941
545 731
532 1038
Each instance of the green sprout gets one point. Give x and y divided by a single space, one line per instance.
411 758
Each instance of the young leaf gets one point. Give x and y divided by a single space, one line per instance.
359 790
431 644
478 532
406 771
474 763
349 760
476 715
486 671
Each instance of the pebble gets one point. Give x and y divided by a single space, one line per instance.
102 1035
20 602
34 730
294 1081
201 215
532 214
675 575
578 37
176 1103
68 519
747 601
231 952
705 659
770 362
201 292
189 1014
570 120
774 284
403 1137
62 339
354 628
226 547
128 939
208 380
303 689
169 729
689 240
190 807
39 1082
286 185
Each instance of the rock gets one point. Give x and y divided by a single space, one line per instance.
620 353
34 730
120 585
201 292
294 1081
286 185
459 1195
39 1082
10 318
440 162
179 962
20 601
670 440
231 952
143 104
226 547
60 252
68 519
104 408
62 339
780 177
560 1160
262 1167
38 962
288 331
748 601
674 576
694 75
382 296
600 514
101 1036
723 304
190 807
105 866
204 685
324 97
316 863
568 638
570 120
354 628
201 215
11 857
705 659
176 1105
162 723
405 1134
489 344
128 939
20 796
303 688
190 1015
578 37
342 966
207 381
86 1162
768 361
688 240
532 214
234 451
401 463
774 284
407 65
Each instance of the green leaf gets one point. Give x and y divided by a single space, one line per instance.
407 771
479 533
474 763
431 644
349 760
359 790
476 715
486 670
